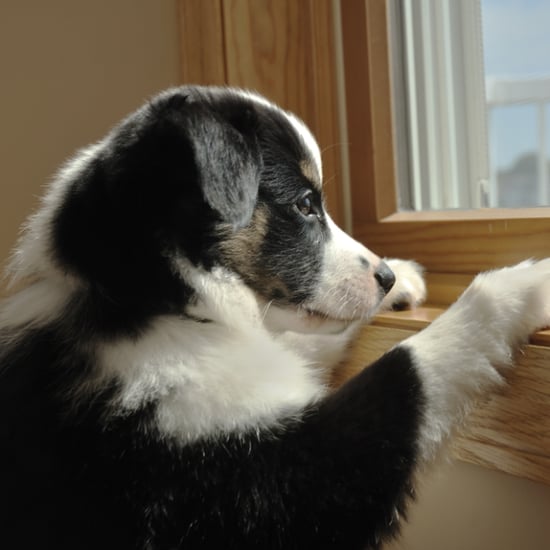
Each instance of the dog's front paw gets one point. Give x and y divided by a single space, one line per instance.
465 352
494 316
409 290
510 303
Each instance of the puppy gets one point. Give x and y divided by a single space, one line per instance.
163 374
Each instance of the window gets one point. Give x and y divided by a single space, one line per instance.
517 69
474 93
508 433
444 152
454 241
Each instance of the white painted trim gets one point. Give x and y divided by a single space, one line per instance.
446 103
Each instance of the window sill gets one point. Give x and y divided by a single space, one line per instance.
421 317
510 431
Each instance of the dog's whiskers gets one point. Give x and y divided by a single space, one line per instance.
332 146
328 181
265 309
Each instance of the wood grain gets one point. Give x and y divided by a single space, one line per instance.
445 288
459 245
268 49
369 112
419 318
283 49
202 49
510 432
326 125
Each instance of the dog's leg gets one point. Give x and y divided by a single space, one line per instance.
345 471
465 352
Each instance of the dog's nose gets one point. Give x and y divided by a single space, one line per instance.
385 277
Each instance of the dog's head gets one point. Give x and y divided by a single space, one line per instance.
219 178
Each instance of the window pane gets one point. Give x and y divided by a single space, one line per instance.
513 146
517 68
475 88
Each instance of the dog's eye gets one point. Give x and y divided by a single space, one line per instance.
305 206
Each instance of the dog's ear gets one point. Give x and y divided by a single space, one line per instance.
161 180
228 161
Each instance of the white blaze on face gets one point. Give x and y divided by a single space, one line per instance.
347 288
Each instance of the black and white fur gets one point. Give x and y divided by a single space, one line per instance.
163 375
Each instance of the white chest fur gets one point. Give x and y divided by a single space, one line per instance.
207 378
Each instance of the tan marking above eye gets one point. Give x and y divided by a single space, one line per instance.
310 172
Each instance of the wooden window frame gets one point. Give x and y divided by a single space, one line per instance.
462 242
216 34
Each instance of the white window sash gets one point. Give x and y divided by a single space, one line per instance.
445 100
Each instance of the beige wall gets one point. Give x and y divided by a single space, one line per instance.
466 507
69 70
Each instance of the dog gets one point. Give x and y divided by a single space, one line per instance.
163 373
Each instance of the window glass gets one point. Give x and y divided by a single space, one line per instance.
516 42
474 84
